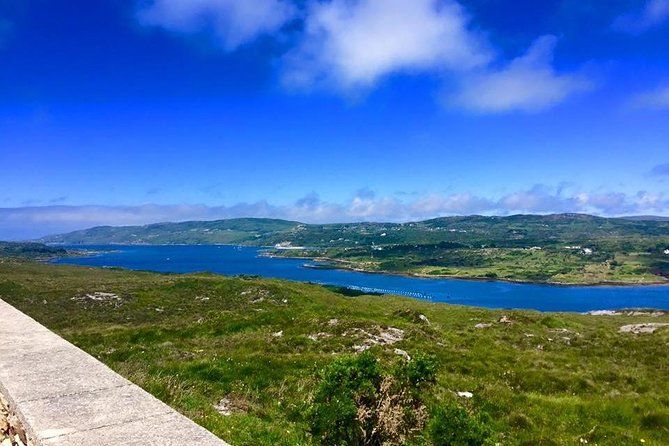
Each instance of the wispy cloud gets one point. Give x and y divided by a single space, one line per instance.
232 22
660 170
653 13
32 222
657 99
527 83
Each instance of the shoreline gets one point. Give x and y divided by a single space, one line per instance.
338 265
342 266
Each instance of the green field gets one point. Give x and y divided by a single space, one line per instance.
193 340
550 265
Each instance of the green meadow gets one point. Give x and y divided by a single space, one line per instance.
257 348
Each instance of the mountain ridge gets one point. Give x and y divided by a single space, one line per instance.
512 230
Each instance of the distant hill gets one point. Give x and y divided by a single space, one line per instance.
27 250
509 231
233 231
646 218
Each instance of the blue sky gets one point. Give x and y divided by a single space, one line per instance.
135 111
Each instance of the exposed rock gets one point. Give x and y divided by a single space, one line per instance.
424 318
230 405
505 320
403 354
202 298
465 394
481 325
631 312
98 296
317 336
648 327
333 322
603 313
223 407
256 295
278 334
383 336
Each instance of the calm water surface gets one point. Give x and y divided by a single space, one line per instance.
231 260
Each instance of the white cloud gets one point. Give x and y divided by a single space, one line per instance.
33 222
527 83
353 44
350 46
657 99
653 14
233 22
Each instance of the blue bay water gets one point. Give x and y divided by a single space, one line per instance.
231 260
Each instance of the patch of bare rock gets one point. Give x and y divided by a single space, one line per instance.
502 320
648 327
637 312
229 405
98 296
402 353
256 295
319 336
375 336
482 325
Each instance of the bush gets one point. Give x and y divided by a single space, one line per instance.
452 425
356 404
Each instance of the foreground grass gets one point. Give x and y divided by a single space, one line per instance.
191 340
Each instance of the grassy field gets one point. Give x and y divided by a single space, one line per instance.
546 265
192 340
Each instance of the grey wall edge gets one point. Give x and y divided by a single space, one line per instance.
63 396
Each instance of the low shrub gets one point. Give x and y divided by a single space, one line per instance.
452 425
357 404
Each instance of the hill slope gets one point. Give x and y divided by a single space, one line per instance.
511 231
195 341
232 231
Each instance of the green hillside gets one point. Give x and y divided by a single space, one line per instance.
27 250
250 359
233 231
511 231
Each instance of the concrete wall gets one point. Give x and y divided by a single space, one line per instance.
64 396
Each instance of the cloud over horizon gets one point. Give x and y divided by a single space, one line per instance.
34 222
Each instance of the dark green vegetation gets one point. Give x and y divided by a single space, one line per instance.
563 248
250 231
265 347
24 250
